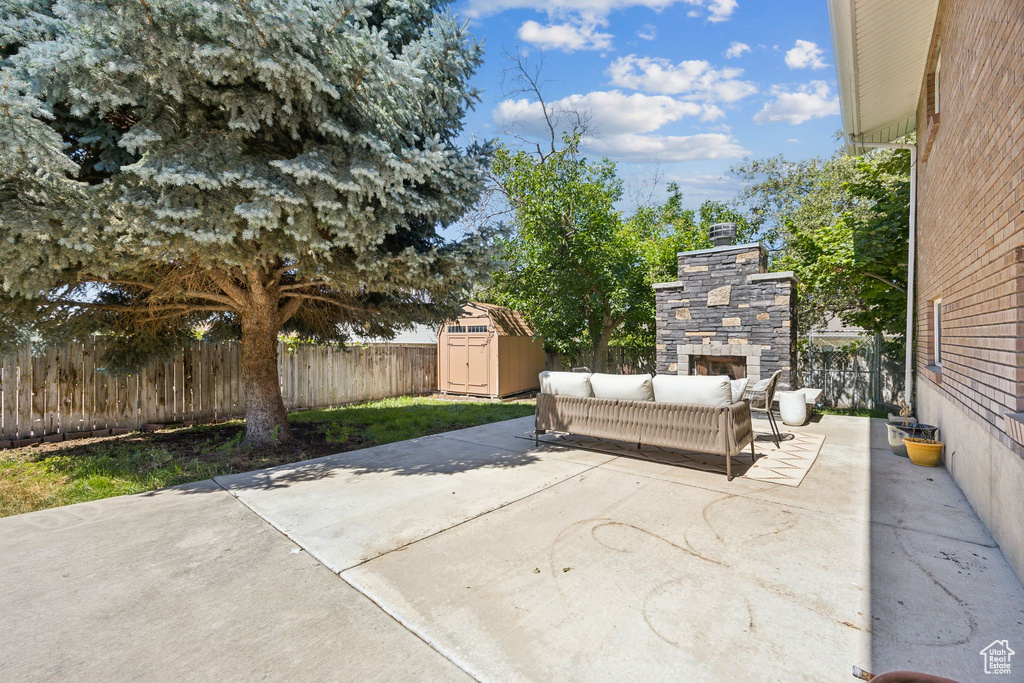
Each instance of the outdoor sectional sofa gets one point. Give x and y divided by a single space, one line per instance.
689 413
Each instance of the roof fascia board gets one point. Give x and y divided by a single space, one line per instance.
842 25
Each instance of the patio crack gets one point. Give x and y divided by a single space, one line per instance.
359 589
474 517
450 659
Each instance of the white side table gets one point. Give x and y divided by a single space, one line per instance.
793 407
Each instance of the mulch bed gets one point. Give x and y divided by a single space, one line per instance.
207 444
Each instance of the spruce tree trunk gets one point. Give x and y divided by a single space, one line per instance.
266 420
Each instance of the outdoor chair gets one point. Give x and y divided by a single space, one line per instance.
761 397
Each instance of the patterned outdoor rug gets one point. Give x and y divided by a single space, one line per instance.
787 465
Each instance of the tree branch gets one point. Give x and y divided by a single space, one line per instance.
303 285
288 309
111 281
142 308
230 288
220 298
888 282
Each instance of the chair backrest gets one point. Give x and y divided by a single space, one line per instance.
769 391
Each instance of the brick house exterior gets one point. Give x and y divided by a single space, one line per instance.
971 256
969 285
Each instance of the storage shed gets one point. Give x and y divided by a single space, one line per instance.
488 351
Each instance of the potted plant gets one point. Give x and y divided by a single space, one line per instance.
922 451
910 427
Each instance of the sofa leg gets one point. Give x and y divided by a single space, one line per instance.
753 455
728 468
536 436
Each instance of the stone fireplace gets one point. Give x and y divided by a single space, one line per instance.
725 315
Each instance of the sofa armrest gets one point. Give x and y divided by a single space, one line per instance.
741 431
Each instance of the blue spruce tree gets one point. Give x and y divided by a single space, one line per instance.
255 166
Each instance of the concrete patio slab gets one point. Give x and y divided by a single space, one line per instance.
859 478
185 584
476 553
351 507
629 577
625 578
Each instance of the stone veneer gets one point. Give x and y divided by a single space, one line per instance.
725 304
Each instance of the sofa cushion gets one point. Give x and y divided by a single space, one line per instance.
623 387
738 387
694 390
566 384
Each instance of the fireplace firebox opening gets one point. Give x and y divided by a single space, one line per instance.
735 367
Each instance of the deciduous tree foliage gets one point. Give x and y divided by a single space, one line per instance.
572 265
842 225
581 272
253 165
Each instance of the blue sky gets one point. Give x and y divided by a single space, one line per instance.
682 88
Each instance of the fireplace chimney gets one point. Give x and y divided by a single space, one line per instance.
725 315
723 234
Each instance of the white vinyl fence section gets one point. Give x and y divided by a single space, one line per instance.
62 392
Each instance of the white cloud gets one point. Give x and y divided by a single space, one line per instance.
565 37
595 11
793 141
608 112
633 148
705 186
694 77
720 10
813 100
736 49
647 32
805 54
621 125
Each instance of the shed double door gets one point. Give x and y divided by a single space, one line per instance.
469 364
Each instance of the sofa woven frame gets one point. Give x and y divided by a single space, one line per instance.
716 430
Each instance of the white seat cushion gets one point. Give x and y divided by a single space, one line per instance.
762 385
624 387
738 387
566 384
694 390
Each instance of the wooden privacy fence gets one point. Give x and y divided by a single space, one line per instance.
62 392
620 361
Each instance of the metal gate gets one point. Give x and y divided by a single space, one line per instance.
853 371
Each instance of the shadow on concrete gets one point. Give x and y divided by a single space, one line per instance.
417 457
691 460
929 558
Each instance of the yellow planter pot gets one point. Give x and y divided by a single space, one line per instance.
923 452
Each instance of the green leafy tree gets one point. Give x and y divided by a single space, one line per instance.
259 166
841 225
573 266
856 266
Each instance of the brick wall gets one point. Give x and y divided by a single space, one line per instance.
971 212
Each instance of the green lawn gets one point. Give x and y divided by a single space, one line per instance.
49 475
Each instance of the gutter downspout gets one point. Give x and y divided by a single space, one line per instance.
908 377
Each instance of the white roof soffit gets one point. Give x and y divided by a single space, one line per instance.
881 49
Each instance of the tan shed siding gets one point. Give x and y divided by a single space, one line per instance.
971 214
502 361
521 361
